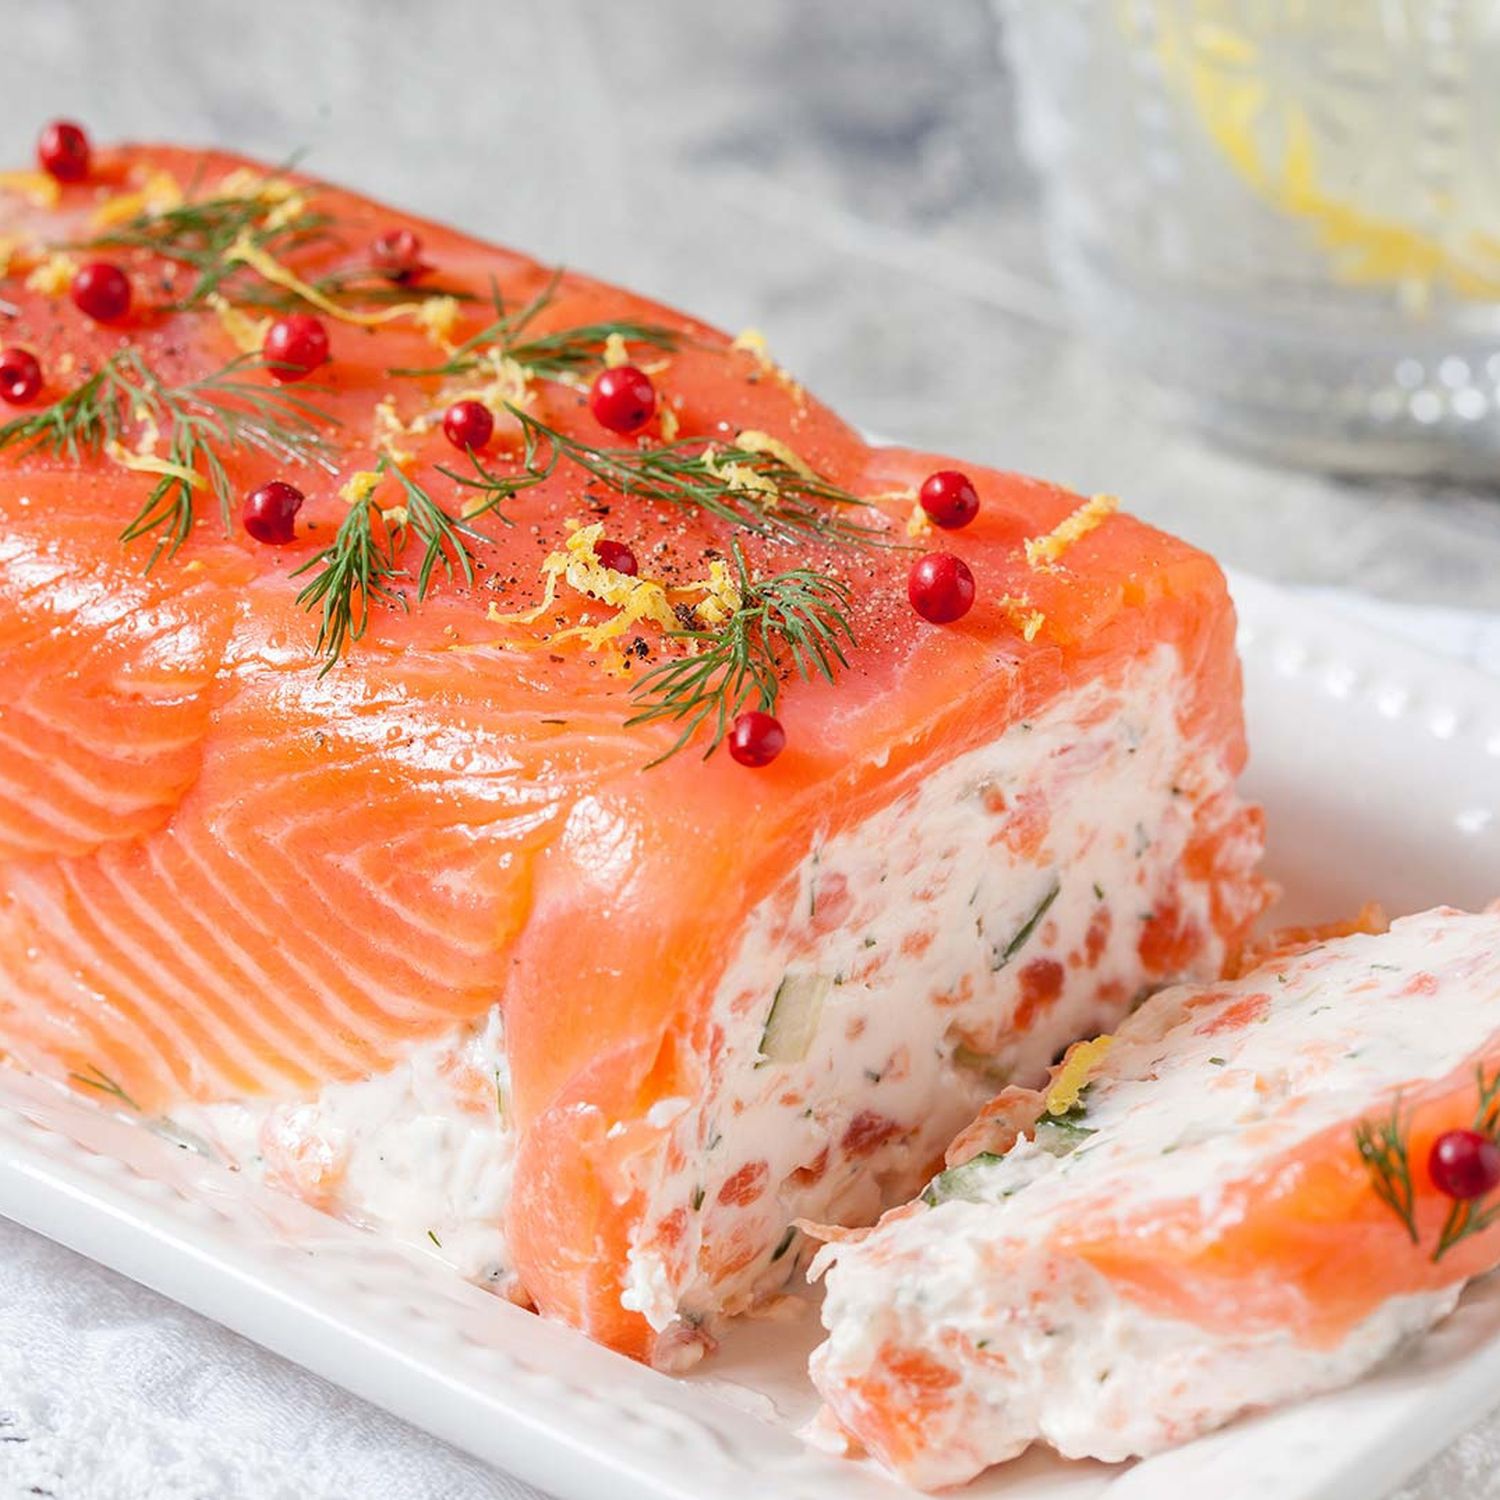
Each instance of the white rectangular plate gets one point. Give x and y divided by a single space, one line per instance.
1380 770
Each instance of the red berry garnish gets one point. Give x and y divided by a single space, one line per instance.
756 739
468 425
949 499
101 291
622 399
20 376
1464 1164
616 555
270 512
940 587
295 346
62 150
397 254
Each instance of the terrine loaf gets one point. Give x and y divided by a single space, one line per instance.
371 600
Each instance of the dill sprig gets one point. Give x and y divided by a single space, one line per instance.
1468 1216
1386 1152
353 286
197 418
362 565
356 570
96 1078
200 232
744 487
1383 1149
793 621
549 356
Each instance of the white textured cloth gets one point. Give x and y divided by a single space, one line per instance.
110 1392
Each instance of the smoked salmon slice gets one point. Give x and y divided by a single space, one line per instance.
1250 1192
374 839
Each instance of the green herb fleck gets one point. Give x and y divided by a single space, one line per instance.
796 621
96 1078
1002 956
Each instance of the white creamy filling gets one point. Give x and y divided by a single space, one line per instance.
423 1152
1197 1091
913 965
1200 1087
1069 1361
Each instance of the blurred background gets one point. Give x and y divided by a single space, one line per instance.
845 177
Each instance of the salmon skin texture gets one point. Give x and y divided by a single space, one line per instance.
1227 1204
228 878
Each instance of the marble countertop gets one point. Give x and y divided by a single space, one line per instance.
842 177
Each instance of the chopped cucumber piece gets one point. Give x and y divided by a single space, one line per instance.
961 1182
793 1022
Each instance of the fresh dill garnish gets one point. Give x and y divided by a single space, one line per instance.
354 286
444 538
353 572
96 1078
196 419
798 620
1383 1149
1468 1216
200 233
549 356
745 487
362 563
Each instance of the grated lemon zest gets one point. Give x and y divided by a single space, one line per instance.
1048 548
739 478
10 250
39 188
360 485
510 384
146 463
918 523
437 317
247 252
150 432
721 594
396 515
615 352
244 182
247 334
753 342
54 275
159 193
1070 1080
387 427
762 442
289 208
526 616
1021 613
670 426
578 565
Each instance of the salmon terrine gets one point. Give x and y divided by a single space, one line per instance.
1249 1193
497 758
